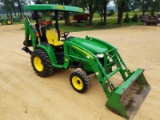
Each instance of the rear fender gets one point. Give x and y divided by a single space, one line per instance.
49 50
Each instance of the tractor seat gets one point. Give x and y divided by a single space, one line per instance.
52 38
43 33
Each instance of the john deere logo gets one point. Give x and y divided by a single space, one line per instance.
80 9
60 7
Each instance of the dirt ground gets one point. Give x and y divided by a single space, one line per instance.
25 96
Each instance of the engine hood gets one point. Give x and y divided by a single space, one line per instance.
92 46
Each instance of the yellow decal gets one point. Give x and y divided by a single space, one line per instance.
81 9
83 52
60 7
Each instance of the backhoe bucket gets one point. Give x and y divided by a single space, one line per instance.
127 99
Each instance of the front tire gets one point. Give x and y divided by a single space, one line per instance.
41 63
79 81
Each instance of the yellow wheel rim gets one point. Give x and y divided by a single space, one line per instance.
38 64
77 83
9 22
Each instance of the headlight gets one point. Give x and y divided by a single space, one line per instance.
100 55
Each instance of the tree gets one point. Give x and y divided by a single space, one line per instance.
11 6
155 5
20 8
7 7
103 9
144 5
66 14
149 5
133 4
121 4
91 5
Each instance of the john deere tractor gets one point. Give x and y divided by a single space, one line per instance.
5 21
9 21
52 49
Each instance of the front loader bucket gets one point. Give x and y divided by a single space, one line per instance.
127 99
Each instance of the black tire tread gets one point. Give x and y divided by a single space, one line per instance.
48 68
84 77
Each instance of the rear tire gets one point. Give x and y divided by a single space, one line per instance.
41 63
9 22
79 80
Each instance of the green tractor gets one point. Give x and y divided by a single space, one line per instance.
84 56
5 21
9 21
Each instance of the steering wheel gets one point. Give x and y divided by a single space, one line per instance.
64 35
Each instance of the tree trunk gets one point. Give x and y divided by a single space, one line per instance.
13 6
20 10
18 13
105 12
14 10
23 13
66 14
90 15
90 18
143 12
143 9
101 13
7 14
7 8
120 12
10 15
66 18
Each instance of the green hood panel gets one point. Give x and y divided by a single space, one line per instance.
92 46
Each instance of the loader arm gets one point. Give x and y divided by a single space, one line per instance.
124 99
90 59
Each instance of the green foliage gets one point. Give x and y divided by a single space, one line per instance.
127 19
13 7
91 5
135 18
152 12
83 26
149 5
100 24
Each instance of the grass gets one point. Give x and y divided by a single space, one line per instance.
111 20
75 27
83 26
